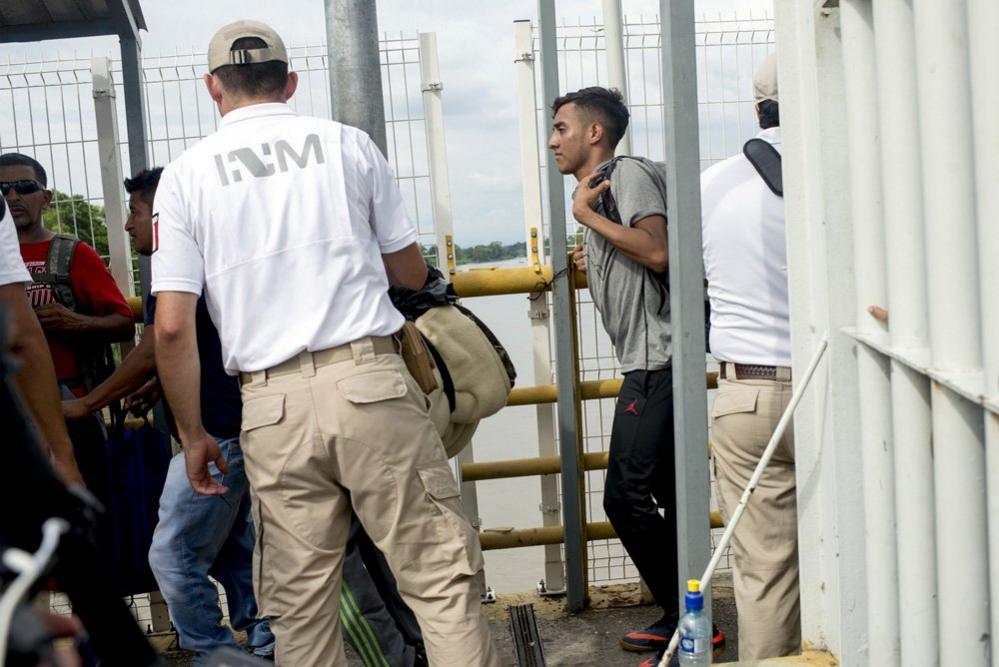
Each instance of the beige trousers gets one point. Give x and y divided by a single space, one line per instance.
331 434
765 543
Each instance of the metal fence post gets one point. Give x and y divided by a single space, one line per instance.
433 119
135 127
355 67
106 113
566 357
693 490
617 74
440 191
538 309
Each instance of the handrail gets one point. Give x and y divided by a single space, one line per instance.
541 465
590 390
487 281
511 538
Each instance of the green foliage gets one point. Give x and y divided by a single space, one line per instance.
75 216
480 254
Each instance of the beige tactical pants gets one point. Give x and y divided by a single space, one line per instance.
765 544
350 427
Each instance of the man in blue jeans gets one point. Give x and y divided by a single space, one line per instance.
197 536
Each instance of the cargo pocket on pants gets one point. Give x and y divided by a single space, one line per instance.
734 402
373 387
460 540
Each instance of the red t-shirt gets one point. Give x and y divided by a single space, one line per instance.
94 290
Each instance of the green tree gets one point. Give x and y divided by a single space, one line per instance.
75 216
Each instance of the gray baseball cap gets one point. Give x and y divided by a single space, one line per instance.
765 80
220 50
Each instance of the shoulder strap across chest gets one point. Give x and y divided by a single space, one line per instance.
766 160
58 265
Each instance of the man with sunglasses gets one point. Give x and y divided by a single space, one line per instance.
98 313
27 343
78 305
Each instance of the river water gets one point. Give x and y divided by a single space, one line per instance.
509 434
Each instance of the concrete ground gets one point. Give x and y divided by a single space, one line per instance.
591 638
588 638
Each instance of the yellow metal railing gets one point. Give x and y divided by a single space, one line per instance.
509 538
526 280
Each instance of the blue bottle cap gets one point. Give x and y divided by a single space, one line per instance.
694 600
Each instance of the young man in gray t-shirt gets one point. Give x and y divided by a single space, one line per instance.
622 204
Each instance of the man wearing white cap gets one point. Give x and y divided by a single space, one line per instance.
745 263
294 228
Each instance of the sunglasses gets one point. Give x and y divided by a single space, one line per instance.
24 187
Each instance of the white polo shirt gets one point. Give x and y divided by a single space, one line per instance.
745 262
12 268
283 220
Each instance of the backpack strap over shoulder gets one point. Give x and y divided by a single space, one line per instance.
766 160
58 265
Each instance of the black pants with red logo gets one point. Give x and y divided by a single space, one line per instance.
640 476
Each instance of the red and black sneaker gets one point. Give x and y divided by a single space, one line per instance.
717 640
652 638
654 660
717 647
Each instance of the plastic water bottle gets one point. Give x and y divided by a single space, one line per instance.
695 630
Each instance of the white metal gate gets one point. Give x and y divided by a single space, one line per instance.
891 156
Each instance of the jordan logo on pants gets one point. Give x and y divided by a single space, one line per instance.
631 408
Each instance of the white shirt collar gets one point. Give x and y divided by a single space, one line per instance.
257 111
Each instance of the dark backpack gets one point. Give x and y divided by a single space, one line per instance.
612 212
95 362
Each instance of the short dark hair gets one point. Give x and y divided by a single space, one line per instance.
769 112
256 79
20 160
606 104
144 183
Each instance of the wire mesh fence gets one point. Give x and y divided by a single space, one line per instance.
728 50
47 111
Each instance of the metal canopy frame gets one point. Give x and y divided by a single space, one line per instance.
124 18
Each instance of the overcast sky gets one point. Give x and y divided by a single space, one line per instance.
475 43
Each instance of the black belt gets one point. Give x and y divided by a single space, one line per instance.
754 372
